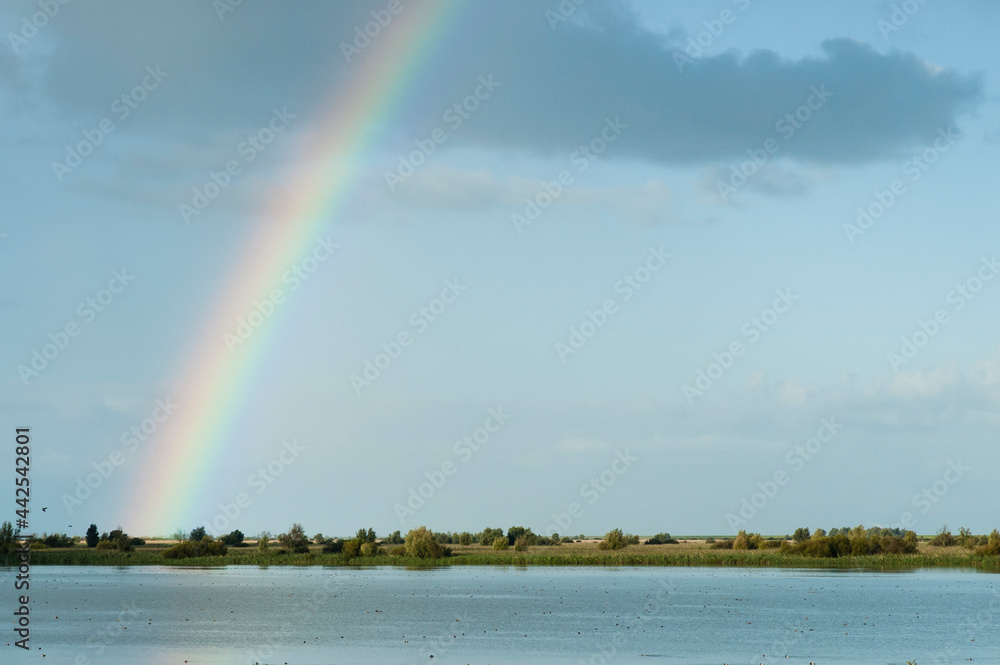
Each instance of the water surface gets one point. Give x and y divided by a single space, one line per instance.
314 616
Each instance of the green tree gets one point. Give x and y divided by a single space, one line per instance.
421 544
613 540
263 542
366 536
7 538
92 537
801 534
488 535
295 539
233 538
197 534
500 543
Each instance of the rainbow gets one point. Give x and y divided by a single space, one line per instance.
214 383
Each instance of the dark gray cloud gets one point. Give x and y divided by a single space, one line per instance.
557 85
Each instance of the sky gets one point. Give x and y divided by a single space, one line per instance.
690 267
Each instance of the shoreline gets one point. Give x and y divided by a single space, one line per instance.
690 554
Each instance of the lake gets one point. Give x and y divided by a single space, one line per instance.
493 615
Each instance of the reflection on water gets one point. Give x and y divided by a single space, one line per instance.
507 615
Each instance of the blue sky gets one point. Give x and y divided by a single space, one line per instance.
834 105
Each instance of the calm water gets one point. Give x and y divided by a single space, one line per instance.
499 616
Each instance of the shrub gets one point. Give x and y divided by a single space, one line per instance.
333 546
943 538
57 540
724 544
500 543
565 539
398 550
662 539
613 540
488 535
464 538
370 549
801 535
421 544
295 540
234 537
106 545
37 545
521 543
992 546
748 541
207 546
351 549
263 543
710 541
393 538
137 542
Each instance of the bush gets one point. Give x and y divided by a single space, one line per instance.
801 535
207 546
57 540
233 538
748 541
137 542
565 539
106 545
488 535
421 544
613 540
943 538
398 550
992 546
295 540
263 543
710 541
661 539
500 543
333 546
393 538
521 543
370 549
724 544
351 549
464 538
37 545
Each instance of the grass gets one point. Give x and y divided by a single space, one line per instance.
686 553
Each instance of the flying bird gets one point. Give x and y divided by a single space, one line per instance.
44 509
